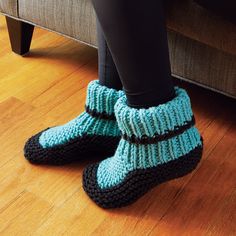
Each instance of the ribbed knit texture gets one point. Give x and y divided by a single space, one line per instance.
101 100
149 123
154 120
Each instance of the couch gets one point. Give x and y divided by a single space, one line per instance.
202 44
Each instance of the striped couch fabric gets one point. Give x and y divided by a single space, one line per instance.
75 18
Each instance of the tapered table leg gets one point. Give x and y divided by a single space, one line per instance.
20 34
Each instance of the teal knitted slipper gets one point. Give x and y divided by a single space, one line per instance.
158 144
95 131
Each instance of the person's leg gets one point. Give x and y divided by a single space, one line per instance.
136 35
107 72
159 139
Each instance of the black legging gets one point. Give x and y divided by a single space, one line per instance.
133 34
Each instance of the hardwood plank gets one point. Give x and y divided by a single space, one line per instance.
12 110
23 215
64 217
22 82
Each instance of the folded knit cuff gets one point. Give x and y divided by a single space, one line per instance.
159 122
100 99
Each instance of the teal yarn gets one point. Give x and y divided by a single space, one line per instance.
95 132
154 120
100 99
148 123
158 144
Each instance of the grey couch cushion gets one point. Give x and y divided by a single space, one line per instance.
9 7
75 18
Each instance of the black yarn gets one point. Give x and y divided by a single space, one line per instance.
73 150
160 137
100 115
139 181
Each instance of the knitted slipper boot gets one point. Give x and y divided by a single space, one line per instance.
95 131
158 144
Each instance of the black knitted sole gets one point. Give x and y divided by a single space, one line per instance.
137 182
74 150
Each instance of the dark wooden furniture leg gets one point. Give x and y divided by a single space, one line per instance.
20 34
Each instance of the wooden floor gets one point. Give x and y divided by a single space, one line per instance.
48 88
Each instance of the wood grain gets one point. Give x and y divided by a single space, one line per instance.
48 87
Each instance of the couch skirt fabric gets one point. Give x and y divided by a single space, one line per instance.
226 8
202 46
74 18
9 7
